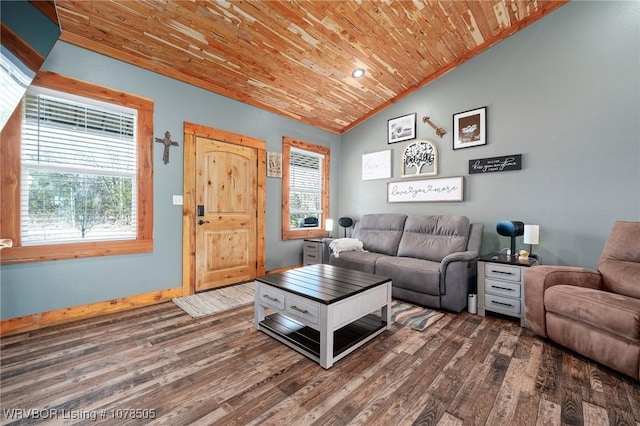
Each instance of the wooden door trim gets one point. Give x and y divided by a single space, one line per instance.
191 133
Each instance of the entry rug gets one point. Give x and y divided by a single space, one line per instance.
416 317
214 301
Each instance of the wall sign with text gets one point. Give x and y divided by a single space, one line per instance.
426 190
496 164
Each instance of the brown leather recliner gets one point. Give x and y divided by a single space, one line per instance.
595 313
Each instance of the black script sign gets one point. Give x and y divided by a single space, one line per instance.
496 164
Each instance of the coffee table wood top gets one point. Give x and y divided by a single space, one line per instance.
323 283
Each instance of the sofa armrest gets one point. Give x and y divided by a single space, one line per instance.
539 278
326 250
454 279
461 256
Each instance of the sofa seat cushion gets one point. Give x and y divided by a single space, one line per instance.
364 261
422 276
608 312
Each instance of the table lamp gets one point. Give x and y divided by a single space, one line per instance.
345 222
511 229
328 226
531 237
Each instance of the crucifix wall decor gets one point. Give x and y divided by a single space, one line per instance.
167 142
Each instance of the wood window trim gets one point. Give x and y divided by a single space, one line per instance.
10 173
287 144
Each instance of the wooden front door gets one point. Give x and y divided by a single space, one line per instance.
226 220
226 213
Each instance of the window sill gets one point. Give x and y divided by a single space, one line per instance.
299 234
26 254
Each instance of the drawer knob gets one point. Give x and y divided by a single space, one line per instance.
273 299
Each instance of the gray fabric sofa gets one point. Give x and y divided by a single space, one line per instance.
430 259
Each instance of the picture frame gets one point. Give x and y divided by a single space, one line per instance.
426 190
274 164
470 128
420 158
376 165
401 128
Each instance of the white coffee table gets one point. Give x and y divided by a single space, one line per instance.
324 312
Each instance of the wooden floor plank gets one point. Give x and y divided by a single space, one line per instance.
463 370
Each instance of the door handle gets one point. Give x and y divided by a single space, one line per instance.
202 222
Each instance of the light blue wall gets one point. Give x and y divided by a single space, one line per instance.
37 287
565 93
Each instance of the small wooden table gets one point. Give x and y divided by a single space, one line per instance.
323 311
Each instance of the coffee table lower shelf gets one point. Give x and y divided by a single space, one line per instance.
307 340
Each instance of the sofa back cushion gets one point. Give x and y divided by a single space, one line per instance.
380 233
620 260
434 237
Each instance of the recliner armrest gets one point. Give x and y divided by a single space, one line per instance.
539 278
460 256
326 250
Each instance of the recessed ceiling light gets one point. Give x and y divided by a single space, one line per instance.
357 73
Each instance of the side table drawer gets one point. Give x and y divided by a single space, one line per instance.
311 259
503 272
502 304
271 298
502 288
302 309
311 247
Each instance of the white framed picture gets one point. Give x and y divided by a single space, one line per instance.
376 165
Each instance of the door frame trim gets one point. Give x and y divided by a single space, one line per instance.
191 132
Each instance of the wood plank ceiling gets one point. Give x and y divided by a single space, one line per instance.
296 57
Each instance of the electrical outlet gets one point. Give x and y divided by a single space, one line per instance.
177 200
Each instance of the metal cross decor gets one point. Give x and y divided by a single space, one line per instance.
167 143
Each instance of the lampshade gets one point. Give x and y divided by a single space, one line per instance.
328 225
531 234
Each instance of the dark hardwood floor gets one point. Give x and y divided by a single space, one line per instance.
159 362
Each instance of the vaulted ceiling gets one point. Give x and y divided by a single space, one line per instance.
296 57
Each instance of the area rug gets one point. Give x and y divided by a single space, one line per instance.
214 301
416 317
223 299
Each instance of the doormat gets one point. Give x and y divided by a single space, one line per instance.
215 301
416 317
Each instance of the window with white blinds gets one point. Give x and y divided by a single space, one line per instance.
78 161
305 189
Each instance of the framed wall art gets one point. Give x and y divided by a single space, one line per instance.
470 128
420 158
426 190
274 164
376 165
401 128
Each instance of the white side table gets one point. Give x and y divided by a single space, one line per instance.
501 285
312 252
